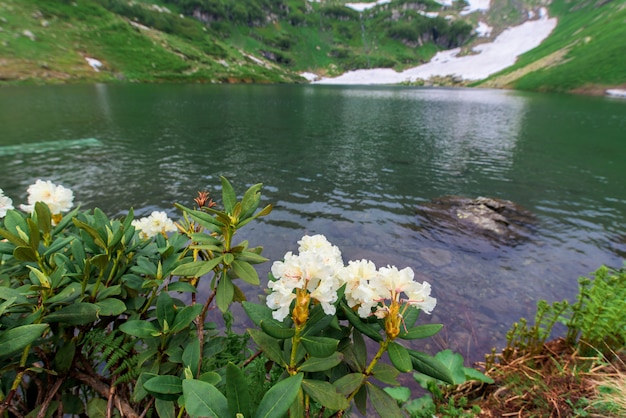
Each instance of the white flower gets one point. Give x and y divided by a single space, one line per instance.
280 303
311 273
357 276
5 204
157 223
393 282
58 198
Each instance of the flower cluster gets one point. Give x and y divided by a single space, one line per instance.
5 204
58 198
157 223
317 272
312 273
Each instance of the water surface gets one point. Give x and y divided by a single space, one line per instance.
354 163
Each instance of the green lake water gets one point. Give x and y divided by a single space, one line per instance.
355 164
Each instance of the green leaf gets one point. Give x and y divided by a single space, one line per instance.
165 309
320 364
206 220
318 321
252 258
257 312
139 393
229 198
245 272
8 293
185 316
25 253
401 394
325 394
399 357
320 346
349 383
96 408
250 201
44 219
202 238
204 400
269 346
211 377
65 356
271 328
279 398
165 409
38 278
57 245
430 366
473 374
360 349
165 384
181 287
111 307
453 362
15 339
225 293
75 314
33 234
191 356
139 328
92 232
421 331
384 404
237 391
196 268
360 325
386 373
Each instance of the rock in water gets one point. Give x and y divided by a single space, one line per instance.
497 219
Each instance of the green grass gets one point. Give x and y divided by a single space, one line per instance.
325 39
594 36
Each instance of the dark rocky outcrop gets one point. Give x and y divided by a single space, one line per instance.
495 219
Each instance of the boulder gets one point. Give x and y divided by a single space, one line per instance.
496 219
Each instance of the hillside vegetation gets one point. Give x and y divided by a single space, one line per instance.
219 41
584 54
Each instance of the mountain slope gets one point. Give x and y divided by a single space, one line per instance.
586 53
51 41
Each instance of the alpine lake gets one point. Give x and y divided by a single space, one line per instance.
361 165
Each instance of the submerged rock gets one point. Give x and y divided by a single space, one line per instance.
492 218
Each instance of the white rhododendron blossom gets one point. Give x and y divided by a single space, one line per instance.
311 274
317 272
393 282
157 223
357 276
58 198
5 204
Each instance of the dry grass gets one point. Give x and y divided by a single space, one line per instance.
555 383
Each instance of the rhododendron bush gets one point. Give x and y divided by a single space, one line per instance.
102 316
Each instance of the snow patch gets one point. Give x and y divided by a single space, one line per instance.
360 7
488 59
483 30
94 63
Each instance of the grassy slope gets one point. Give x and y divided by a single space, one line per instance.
585 53
66 33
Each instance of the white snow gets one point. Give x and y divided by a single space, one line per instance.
616 93
488 59
95 64
359 7
310 76
483 30
476 6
